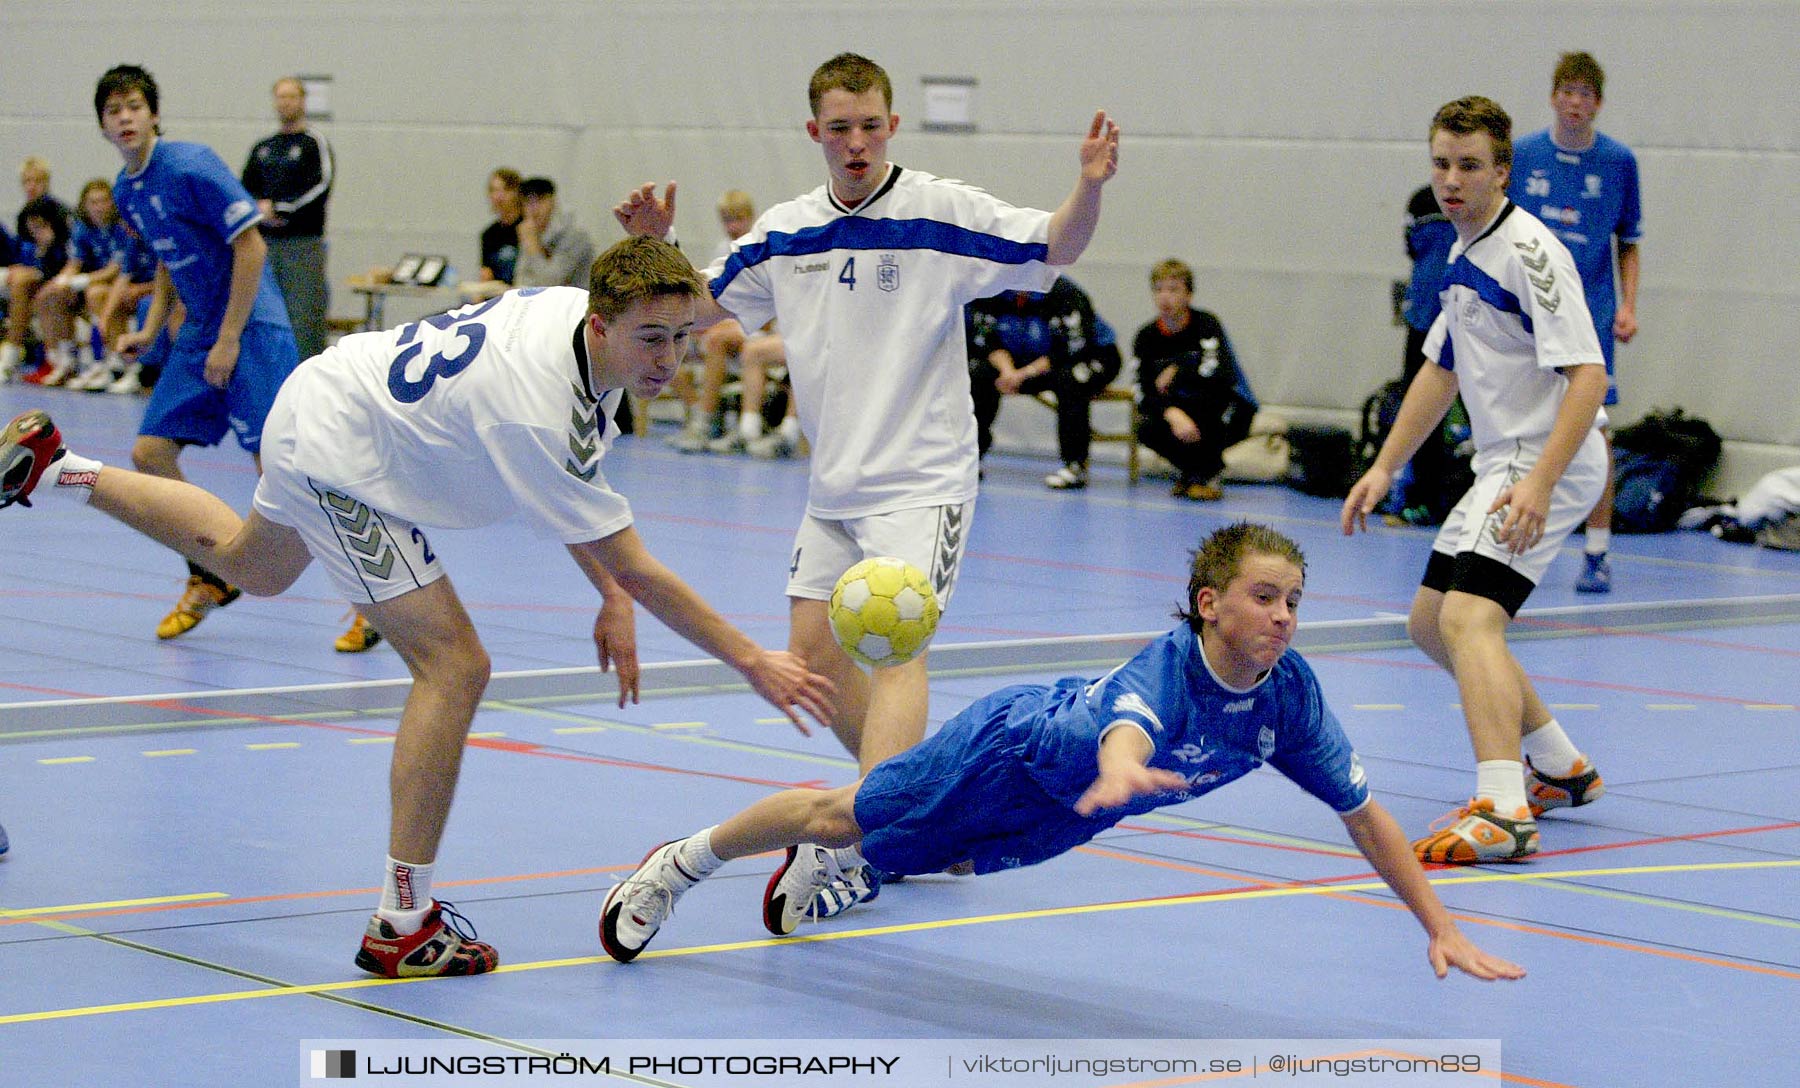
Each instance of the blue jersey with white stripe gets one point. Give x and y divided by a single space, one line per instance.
1201 728
1588 199
189 206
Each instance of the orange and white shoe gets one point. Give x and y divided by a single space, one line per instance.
1581 787
444 945
197 602
1475 833
360 638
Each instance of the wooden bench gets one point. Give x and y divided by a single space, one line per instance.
1114 394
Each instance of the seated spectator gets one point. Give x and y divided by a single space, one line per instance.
755 355
1025 342
1196 402
553 250
25 272
46 224
500 239
97 246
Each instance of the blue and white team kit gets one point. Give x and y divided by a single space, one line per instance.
1587 199
997 785
453 421
188 207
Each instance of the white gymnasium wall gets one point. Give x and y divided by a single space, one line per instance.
1271 144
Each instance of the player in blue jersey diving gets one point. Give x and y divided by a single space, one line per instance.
1035 770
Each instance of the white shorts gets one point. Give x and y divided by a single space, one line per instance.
1470 528
931 538
370 556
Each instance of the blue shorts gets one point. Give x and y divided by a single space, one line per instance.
183 408
963 794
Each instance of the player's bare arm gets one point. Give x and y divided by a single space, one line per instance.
1124 751
1384 844
1072 225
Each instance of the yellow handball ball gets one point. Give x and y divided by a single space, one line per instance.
884 611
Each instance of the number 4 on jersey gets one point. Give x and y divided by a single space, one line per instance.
847 275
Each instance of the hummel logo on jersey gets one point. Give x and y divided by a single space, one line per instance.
816 266
1239 706
236 210
1535 263
1133 703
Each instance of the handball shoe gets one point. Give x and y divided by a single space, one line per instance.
638 905
359 638
29 445
199 599
853 885
1596 577
811 886
444 945
1476 833
1546 792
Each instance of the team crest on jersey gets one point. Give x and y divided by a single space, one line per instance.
887 273
1593 186
1265 742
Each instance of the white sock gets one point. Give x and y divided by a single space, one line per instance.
1502 781
62 355
696 854
790 429
11 355
1551 750
750 426
406 895
1598 540
74 477
849 857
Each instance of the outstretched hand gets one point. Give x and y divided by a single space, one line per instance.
1455 950
1100 150
784 680
615 639
1117 785
643 214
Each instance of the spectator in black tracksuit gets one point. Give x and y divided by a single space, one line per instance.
1195 402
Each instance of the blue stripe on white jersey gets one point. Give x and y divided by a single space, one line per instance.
1465 273
853 232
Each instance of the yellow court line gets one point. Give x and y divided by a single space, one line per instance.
883 931
69 908
580 729
66 759
1574 706
158 752
678 725
1769 706
486 736
271 746
370 740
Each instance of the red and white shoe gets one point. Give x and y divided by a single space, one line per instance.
29 445
444 945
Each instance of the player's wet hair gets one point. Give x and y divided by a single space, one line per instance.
123 79
1172 269
1474 113
1579 68
1220 558
638 269
850 72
